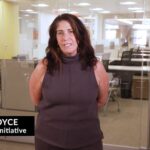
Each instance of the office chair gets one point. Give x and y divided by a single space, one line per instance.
126 77
105 64
113 92
126 57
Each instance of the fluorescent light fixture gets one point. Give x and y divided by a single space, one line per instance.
29 10
23 10
40 5
141 26
96 9
89 17
132 20
26 15
135 8
109 26
126 21
73 12
83 4
105 12
127 3
13 0
138 11
146 20
33 12
62 9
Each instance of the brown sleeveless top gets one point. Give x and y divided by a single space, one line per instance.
68 111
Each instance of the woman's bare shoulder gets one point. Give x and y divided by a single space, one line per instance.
99 70
99 66
42 64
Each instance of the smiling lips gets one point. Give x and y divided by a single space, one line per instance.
67 45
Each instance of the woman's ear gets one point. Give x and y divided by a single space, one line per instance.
45 61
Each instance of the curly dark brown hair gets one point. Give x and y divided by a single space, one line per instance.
85 50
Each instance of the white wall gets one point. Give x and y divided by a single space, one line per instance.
44 21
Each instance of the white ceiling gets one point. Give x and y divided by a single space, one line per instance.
110 5
116 10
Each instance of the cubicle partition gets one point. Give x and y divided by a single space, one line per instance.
15 93
15 98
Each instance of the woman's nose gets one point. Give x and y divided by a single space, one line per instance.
65 36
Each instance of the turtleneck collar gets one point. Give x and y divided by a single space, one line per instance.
68 59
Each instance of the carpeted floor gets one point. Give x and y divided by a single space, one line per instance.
127 127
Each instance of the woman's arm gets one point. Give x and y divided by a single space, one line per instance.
103 83
35 81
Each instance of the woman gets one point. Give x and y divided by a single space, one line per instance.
68 85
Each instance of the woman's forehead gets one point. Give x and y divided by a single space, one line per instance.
62 25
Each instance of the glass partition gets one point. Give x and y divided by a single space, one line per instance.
120 35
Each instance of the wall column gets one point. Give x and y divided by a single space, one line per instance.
100 29
9 29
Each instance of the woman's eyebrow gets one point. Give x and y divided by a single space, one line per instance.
64 29
59 30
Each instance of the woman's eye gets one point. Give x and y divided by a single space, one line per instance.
71 31
59 33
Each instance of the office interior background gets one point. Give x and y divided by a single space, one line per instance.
120 34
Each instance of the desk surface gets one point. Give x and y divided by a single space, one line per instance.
141 54
141 59
135 59
129 68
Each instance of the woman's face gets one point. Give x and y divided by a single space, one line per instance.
66 38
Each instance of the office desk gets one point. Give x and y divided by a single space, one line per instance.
133 66
129 68
141 54
133 59
145 51
141 59
125 74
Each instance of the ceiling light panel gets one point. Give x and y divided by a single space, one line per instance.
135 8
28 10
96 9
105 12
40 5
83 4
62 9
73 12
84 9
138 11
127 3
126 21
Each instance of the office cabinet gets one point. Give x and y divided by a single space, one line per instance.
140 87
125 89
15 93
